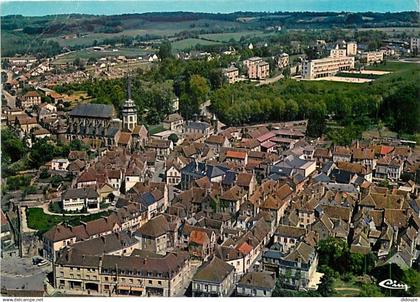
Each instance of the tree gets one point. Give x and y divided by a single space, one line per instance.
165 50
173 137
370 290
11 146
333 252
402 109
316 123
286 72
199 88
325 288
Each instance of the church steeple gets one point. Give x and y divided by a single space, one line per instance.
129 110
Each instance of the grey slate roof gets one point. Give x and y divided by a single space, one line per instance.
93 110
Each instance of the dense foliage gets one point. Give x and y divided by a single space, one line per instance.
334 253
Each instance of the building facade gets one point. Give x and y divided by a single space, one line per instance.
326 67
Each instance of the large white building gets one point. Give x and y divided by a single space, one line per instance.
326 67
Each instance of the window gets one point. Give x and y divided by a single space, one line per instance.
150 281
160 282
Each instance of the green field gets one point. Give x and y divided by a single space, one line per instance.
189 43
225 37
395 66
42 222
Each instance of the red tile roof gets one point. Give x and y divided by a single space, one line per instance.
245 248
236 154
198 237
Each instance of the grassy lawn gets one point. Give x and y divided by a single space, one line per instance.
346 288
189 43
395 66
153 129
42 222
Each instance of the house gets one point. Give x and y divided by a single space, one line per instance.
79 199
55 239
289 236
196 170
162 147
135 173
256 284
31 98
237 157
232 199
173 122
60 164
322 155
364 156
139 136
344 172
25 124
153 236
276 204
213 279
125 140
217 141
198 127
341 154
173 174
388 168
295 268
297 165
199 245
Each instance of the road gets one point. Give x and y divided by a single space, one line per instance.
20 273
10 99
270 80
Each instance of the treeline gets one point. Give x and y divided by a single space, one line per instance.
153 100
354 107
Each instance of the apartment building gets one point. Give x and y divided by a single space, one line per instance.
283 60
143 275
370 57
326 67
351 49
257 68
414 44
231 74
